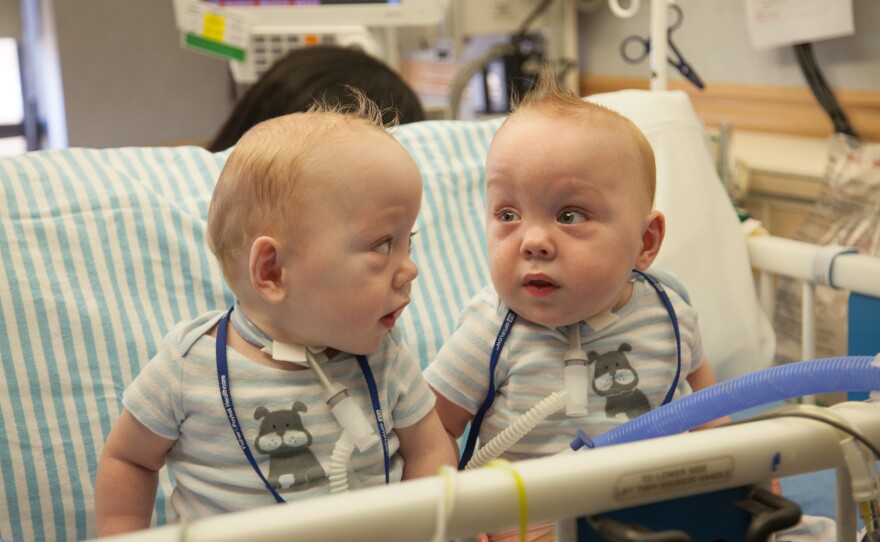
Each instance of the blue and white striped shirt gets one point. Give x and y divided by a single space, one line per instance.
177 397
531 365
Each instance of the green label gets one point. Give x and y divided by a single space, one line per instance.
204 45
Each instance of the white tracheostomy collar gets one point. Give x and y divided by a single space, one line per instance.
295 353
343 407
601 321
288 352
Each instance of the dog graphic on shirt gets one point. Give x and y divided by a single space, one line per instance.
286 441
616 380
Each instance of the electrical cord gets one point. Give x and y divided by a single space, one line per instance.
520 35
820 89
854 433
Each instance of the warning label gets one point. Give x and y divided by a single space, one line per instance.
673 478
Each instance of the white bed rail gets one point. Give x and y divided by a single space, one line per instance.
813 265
557 488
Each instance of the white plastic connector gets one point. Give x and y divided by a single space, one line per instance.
862 468
344 408
352 419
576 383
576 375
823 263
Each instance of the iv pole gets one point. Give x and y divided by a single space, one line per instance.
659 44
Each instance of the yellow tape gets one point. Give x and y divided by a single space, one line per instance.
865 509
446 502
521 493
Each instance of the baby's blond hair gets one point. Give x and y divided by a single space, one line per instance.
263 183
546 96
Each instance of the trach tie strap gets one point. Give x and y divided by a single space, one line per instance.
446 501
521 494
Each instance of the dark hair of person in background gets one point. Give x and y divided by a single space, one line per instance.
319 72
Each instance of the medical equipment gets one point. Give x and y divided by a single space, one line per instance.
343 407
732 396
329 13
576 374
634 49
253 34
518 429
575 382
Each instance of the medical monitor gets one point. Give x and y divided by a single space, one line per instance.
305 13
253 34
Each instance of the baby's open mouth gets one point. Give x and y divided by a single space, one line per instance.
389 319
540 286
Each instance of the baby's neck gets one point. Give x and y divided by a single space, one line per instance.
249 338
604 318
624 297
256 354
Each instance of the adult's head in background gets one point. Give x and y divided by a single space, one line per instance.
319 73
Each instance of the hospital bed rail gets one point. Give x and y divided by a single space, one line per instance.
557 488
815 266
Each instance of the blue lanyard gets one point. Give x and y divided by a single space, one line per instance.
377 411
664 297
474 432
504 334
223 380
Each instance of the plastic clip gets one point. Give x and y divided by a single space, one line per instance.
823 263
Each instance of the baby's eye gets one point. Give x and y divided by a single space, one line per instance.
411 235
507 216
571 216
383 247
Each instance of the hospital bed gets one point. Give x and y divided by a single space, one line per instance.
101 251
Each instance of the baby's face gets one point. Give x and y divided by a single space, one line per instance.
348 270
567 209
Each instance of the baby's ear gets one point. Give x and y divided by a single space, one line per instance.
265 268
652 238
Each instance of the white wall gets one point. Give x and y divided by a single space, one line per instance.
715 41
126 80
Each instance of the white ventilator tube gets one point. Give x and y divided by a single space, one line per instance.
576 375
345 409
518 429
338 472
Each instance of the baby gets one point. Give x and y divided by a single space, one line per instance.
311 222
571 229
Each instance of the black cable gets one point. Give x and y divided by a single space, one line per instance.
817 83
820 89
837 425
523 48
